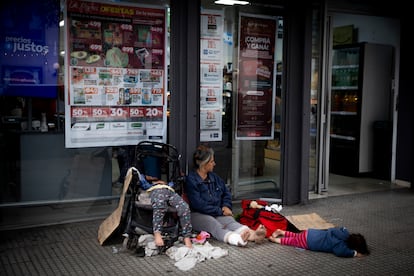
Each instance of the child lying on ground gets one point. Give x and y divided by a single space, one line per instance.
333 240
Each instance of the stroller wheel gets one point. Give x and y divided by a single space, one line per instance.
125 243
132 243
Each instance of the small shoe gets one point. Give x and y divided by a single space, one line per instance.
201 237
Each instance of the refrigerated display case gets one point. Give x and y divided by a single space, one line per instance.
360 95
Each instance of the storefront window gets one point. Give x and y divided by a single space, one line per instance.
30 90
39 168
241 66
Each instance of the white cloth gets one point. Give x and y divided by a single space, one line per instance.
186 258
147 241
274 208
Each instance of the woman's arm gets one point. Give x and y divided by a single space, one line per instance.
227 197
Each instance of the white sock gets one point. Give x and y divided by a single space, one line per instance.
236 239
241 229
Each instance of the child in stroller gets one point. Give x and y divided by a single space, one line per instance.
163 195
155 205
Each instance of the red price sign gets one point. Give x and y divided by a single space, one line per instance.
157 91
95 24
89 70
134 90
131 72
156 29
80 112
95 47
153 112
115 71
126 27
156 73
111 89
101 112
136 112
118 112
157 51
128 50
91 90
212 68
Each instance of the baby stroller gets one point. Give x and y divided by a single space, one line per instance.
161 161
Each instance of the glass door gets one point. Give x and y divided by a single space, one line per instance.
248 152
343 167
318 104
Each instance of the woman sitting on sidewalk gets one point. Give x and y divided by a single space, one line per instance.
211 202
333 240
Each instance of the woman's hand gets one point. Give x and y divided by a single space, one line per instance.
227 211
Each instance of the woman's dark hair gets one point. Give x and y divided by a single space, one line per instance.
202 155
357 242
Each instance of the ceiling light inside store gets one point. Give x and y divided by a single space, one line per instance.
231 2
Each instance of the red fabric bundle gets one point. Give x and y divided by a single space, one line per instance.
253 217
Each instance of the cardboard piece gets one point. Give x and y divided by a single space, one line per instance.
109 225
313 220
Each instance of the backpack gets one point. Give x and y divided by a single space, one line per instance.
253 217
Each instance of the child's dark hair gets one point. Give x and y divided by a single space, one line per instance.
357 242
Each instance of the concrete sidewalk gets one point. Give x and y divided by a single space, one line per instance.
385 218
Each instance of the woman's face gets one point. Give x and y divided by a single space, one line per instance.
209 166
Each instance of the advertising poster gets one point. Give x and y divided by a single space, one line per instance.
211 78
116 66
29 41
256 82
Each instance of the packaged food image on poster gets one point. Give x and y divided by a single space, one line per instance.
127 98
146 96
121 95
79 96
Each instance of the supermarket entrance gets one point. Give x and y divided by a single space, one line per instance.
359 104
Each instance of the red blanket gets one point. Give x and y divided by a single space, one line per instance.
253 217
